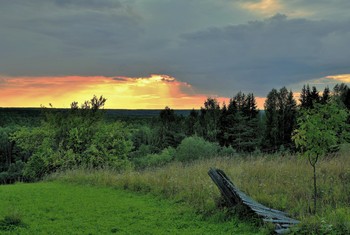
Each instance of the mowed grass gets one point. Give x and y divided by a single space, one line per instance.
61 208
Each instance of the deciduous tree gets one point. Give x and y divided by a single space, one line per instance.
319 129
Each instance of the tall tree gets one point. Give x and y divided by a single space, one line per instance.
271 113
239 123
169 131
280 111
209 119
224 124
227 123
192 123
309 97
286 115
326 95
314 95
341 93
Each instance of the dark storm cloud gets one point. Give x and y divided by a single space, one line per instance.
206 43
64 37
265 54
88 23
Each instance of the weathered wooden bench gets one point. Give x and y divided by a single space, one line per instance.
233 197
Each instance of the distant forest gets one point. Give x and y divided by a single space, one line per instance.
36 142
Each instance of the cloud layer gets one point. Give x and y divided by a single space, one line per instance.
220 47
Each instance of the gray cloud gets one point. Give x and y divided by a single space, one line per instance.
210 44
264 54
64 37
90 4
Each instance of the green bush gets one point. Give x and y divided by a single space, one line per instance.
109 146
73 140
156 160
193 148
36 167
142 151
227 151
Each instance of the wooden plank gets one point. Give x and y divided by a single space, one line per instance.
234 196
268 212
228 195
248 200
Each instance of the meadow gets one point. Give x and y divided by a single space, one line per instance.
280 182
61 208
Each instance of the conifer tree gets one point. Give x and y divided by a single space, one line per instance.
191 123
280 111
342 94
309 97
239 127
271 130
325 96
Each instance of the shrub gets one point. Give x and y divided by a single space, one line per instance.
227 151
36 167
96 144
142 151
193 148
156 160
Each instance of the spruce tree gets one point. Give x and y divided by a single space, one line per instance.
242 123
271 130
325 96
192 122
309 97
280 111
342 94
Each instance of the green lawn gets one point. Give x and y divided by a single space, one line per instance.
62 208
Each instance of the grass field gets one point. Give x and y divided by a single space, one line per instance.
280 182
61 208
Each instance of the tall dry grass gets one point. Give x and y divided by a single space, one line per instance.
280 182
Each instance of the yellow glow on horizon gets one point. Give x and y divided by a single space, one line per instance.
153 92
340 77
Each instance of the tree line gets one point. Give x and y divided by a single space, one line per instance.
240 125
83 136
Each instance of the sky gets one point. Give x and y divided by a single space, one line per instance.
148 54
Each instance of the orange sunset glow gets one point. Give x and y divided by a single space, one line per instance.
153 92
340 78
